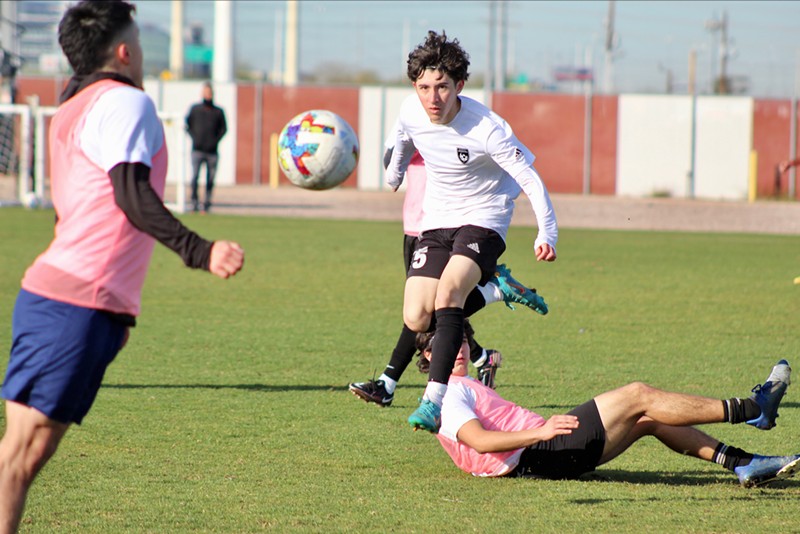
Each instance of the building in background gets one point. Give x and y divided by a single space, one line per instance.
38 40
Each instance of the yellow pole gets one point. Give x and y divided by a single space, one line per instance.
273 161
752 177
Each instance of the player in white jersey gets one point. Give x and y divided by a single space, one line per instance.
475 167
501 287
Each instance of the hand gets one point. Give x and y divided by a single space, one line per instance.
497 358
227 258
545 252
558 425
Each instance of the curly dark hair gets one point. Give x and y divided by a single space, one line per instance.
424 343
88 30
439 54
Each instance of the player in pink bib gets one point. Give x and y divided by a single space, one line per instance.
108 163
489 436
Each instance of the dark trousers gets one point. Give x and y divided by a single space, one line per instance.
210 159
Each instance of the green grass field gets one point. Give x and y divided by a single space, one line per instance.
228 410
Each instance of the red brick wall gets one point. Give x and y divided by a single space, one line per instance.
278 106
771 133
552 126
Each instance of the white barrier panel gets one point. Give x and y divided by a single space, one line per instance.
724 139
654 145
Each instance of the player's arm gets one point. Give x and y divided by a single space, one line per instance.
135 196
399 159
475 436
532 185
515 158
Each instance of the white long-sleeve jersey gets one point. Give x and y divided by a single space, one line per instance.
476 167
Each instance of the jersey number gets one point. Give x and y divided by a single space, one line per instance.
420 257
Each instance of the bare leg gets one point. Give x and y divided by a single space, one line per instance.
681 439
30 440
628 413
418 299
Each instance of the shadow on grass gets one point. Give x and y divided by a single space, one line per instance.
684 478
243 387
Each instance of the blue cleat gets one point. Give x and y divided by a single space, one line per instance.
764 469
769 394
427 417
515 292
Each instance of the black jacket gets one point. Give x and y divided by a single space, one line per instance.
206 125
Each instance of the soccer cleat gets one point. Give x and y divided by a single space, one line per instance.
487 371
763 469
372 391
427 417
515 292
769 394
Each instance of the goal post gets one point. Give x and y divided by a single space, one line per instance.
15 153
23 150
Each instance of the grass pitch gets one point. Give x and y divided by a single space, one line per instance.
228 410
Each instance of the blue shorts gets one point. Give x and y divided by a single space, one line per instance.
59 354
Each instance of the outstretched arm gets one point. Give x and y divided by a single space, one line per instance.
474 435
135 196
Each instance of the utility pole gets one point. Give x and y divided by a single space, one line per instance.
290 69
500 47
176 40
720 85
223 62
611 45
490 44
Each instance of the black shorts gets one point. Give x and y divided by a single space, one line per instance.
435 247
409 245
569 455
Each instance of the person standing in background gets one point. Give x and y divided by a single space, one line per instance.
206 126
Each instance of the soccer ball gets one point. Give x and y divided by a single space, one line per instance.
317 150
31 200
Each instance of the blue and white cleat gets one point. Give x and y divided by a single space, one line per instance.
427 417
769 394
514 292
764 469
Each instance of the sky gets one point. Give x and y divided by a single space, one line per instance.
653 39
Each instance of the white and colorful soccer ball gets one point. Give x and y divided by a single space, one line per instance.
317 149
31 200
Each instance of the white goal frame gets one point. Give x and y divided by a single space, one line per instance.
33 136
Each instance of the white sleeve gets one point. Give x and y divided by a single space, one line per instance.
457 409
533 186
515 158
401 155
122 127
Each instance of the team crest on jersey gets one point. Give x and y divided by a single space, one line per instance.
463 155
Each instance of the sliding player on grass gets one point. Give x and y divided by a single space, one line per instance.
489 436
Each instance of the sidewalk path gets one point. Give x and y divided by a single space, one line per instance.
573 211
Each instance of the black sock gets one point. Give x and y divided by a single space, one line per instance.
474 302
446 343
740 410
475 349
730 457
402 354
